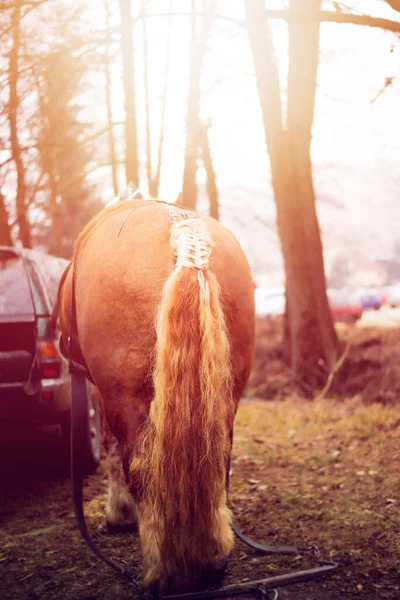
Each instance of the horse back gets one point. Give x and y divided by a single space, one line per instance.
121 264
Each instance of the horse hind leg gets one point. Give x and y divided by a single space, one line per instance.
121 514
224 534
150 540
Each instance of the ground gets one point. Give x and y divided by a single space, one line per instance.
324 472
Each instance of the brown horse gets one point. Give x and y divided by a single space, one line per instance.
165 318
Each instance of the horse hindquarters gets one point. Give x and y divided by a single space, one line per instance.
179 474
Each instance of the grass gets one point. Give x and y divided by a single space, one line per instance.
327 473
323 472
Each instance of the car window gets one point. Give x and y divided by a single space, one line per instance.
41 302
51 268
15 293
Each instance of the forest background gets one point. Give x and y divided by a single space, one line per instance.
277 117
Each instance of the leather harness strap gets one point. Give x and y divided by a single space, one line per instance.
74 351
71 350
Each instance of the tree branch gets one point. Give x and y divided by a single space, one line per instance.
376 22
324 16
68 144
188 15
395 4
333 372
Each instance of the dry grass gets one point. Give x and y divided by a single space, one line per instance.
370 369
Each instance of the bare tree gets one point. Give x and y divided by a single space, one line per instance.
48 133
198 45
311 341
212 190
149 170
108 86
65 148
128 62
5 230
13 105
44 84
155 182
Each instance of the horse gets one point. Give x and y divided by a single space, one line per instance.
164 307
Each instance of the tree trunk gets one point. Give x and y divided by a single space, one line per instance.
212 190
22 218
111 137
49 141
155 183
5 232
198 44
311 343
128 63
149 169
55 241
55 246
313 338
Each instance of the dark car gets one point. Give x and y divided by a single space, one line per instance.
34 382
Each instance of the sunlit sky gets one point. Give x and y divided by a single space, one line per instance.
356 142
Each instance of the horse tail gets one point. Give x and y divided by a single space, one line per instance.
186 445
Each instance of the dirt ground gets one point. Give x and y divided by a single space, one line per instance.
302 472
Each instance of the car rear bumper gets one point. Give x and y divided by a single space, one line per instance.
58 396
50 404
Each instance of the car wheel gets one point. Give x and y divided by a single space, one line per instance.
94 424
95 427
64 457
86 426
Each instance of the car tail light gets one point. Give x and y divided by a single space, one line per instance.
50 362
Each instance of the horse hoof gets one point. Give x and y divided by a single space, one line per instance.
220 570
113 529
206 576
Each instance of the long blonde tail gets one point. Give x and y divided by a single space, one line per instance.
181 468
